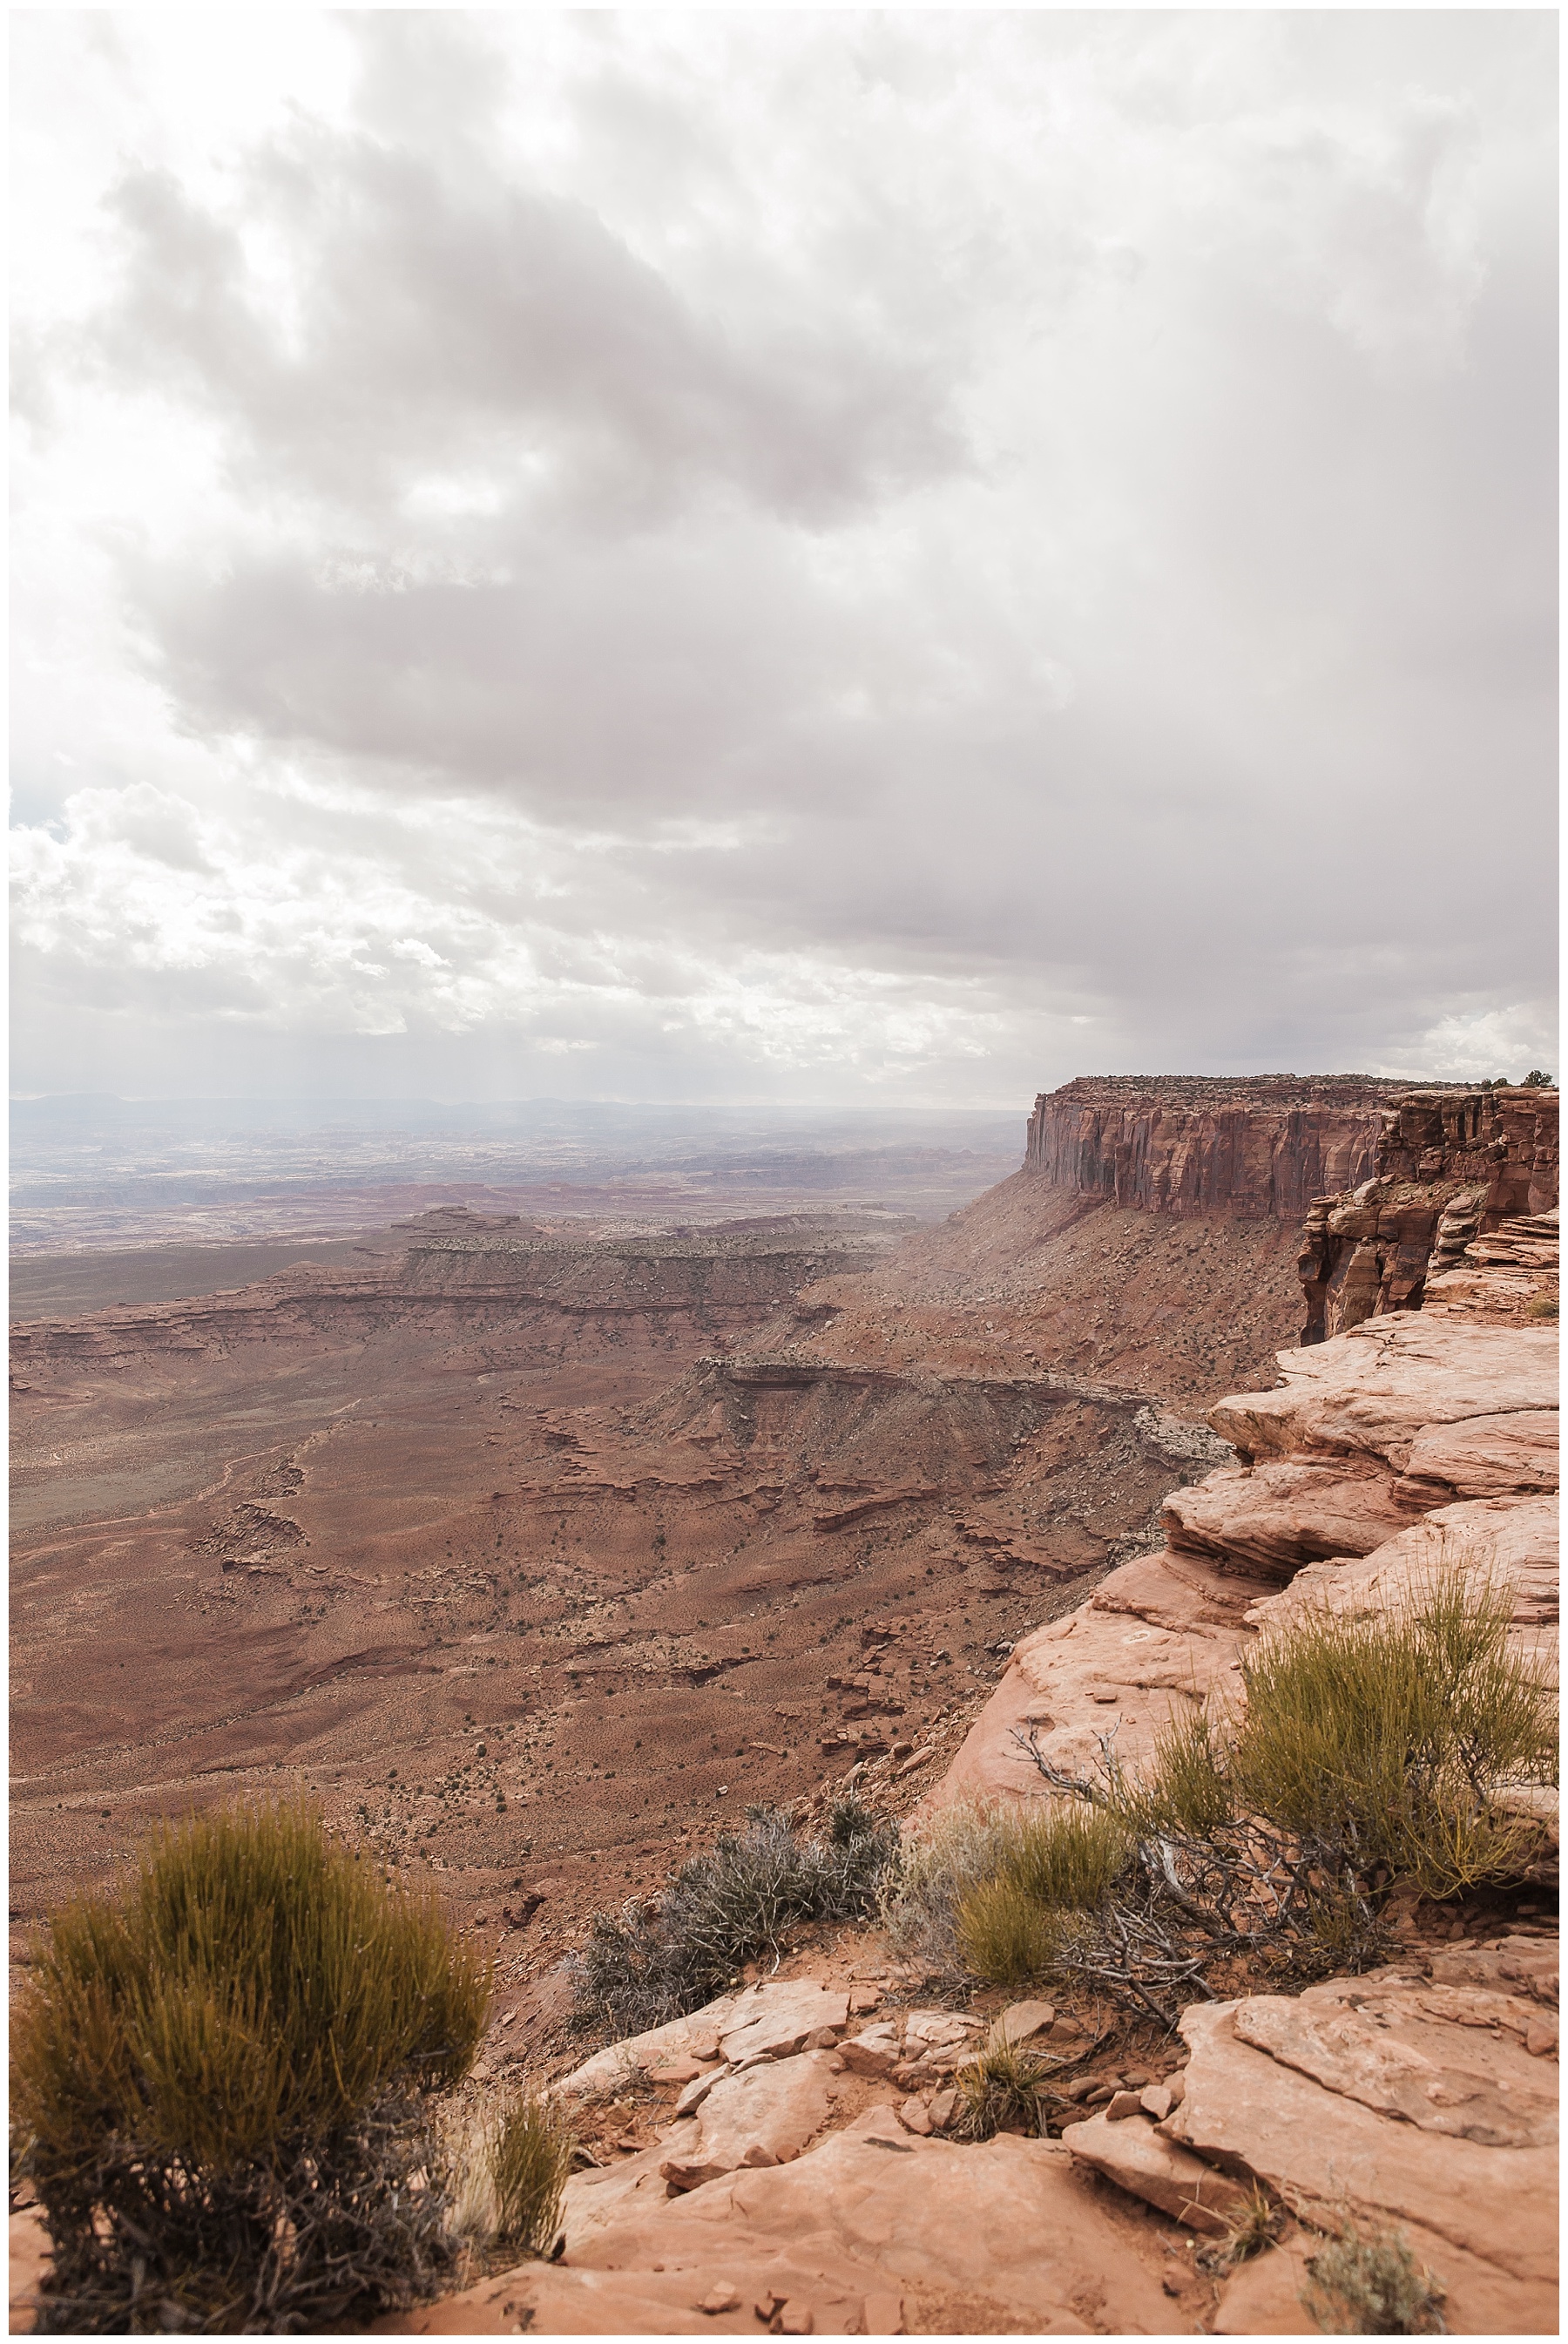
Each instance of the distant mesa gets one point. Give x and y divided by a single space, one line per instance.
1256 1147
459 1221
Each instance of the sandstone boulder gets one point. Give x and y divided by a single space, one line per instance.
1266 2296
975 2238
1447 2059
1142 2161
1508 1543
556 2300
1155 1638
1370 1393
773 2021
30 2261
762 2117
1505 1456
681 2038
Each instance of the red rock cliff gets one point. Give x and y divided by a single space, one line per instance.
1451 1166
1260 1147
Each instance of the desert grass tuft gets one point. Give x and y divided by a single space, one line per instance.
1381 1740
1066 1857
977 1891
529 2158
1004 1935
1003 2087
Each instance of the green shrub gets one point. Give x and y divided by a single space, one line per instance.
223 2074
1541 1305
1187 1787
1370 1753
1380 1741
1004 1935
1372 2286
975 1894
529 2157
1065 1858
667 1955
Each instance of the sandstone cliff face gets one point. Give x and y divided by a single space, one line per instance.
1260 1148
1449 1165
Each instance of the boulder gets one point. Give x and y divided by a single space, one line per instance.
1507 1456
680 2038
556 2300
1022 2022
762 2117
1447 2059
592 2200
1156 1637
1509 1542
1264 2297
1139 2160
30 2260
875 2051
773 2021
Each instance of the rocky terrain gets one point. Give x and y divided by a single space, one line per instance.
534 1559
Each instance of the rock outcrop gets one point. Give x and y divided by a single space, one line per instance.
1259 1147
1451 1166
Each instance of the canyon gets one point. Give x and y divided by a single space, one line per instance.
626 1507
535 1555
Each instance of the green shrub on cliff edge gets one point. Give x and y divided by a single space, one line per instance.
222 2080
1371 1754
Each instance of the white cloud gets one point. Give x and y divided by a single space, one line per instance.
790 555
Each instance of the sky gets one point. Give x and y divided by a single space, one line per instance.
876 559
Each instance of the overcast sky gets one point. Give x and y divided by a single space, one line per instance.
856 558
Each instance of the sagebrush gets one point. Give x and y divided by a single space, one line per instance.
1372 2286
662 1957
223 2078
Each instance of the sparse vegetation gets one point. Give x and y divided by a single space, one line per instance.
1003 2086
223 2082
527 2158
1372 2286
1368 1756
1256 2224
1004 1934
663 1956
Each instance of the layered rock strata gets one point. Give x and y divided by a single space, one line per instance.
1449 1168
1258 1148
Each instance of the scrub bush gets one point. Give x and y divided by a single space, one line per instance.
222 2077
665 1955
1372 2286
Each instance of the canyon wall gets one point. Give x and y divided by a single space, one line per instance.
1451 1166
1259 1147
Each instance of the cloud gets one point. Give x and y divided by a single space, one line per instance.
788 555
